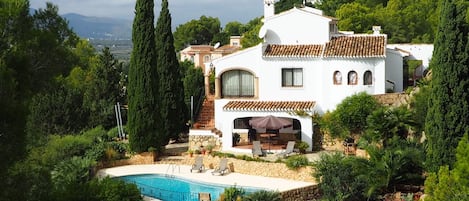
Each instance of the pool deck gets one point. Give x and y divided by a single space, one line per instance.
183 171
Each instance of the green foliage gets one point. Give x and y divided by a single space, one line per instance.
340 177
284 5
385 123
196 32
329 124
302 146
143 118
448 112
355 16
103 90
296 161
263 195
232 194
60 148
353 111
56 112
419 106
451 184
401 162
172 109
115 190
329 7
193 86
251 36
71 172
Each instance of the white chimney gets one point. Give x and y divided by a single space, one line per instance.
376 30
269 9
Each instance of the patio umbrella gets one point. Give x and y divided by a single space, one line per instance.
269 122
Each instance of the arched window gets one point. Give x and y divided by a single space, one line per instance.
337 78
237 83
352 78
367 78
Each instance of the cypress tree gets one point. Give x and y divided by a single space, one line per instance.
172 106
143 82
448 114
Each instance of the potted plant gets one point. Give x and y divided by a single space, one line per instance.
190 152
209 148
302 146
197 151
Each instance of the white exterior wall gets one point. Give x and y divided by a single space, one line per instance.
333 94
422 52
394 70
280 28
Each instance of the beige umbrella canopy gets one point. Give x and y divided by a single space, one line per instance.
270 122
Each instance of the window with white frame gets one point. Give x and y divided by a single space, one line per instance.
292 77
237 83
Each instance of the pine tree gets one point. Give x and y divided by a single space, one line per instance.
143 117
172 106
103 92
448 113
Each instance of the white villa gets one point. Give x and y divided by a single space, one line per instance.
304 64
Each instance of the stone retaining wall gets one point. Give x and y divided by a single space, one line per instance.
196 141
310 193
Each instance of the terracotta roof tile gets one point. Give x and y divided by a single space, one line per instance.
339 46
274 50
356 46
269 105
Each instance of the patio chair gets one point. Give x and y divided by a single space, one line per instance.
222 167
257 149
198 165
289 150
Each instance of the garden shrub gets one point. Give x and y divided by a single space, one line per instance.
341 177
232 194
61 148
97 134
297 161
263 195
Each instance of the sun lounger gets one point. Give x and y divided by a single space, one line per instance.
205 197
222 167
198 165
289 150
257 149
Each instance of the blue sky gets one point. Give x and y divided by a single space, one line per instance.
182 11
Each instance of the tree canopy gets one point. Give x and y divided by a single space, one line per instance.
143 118
448 113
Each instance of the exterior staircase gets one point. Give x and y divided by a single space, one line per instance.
206 119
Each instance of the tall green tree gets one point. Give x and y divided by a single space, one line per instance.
173 109
448 113
14 24
104 90
143 116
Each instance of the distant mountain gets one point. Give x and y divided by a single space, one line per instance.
99 27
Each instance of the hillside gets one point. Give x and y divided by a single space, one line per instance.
99 27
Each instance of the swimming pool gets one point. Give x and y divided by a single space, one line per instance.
170 188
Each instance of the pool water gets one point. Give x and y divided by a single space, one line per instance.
170 188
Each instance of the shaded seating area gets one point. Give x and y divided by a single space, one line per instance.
222 168
198 165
